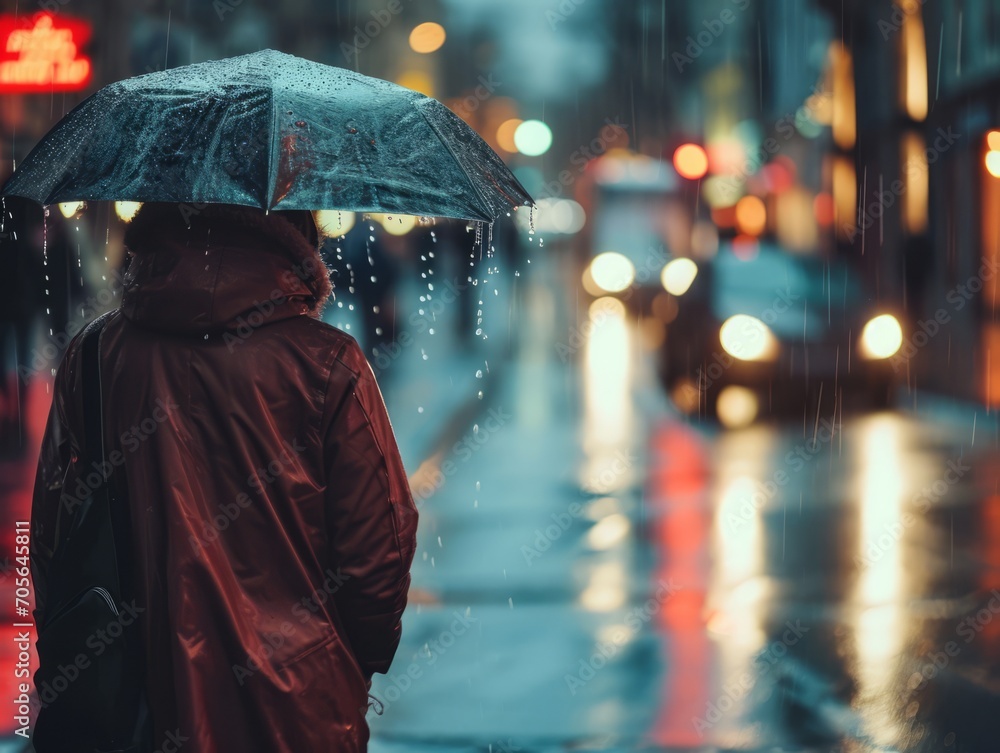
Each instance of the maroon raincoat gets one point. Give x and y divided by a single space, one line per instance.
273 524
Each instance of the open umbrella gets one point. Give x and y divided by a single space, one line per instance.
273 131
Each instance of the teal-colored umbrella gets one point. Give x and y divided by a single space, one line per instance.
273 131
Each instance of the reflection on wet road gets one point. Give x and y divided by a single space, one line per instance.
849 583
635 582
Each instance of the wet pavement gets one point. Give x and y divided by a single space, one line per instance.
602 574
595 572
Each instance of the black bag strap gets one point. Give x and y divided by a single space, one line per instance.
93 424
94 446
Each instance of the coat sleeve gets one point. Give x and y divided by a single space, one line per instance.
53 463
371 518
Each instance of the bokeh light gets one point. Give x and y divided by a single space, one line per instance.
678 275
532 137
612 272
726 157
427 37
563 216
751 215
737 407
505 134
993 163
334 223
747 338
823 209
690 161
71 208
126 209
882 337
396 224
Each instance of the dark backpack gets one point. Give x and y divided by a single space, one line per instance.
90 675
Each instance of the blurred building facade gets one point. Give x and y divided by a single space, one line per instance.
926 76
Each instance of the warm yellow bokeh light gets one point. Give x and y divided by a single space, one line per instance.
505 135
70 208
844 124
882 337
913 65
751 215
427 37
736 407
606 307
690 161
678 275
748 338
612 272
916 182
333 223
993 140
993 163
396 224
126 209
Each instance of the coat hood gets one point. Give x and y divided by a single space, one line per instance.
201 269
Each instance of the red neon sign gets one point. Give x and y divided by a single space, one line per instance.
43 54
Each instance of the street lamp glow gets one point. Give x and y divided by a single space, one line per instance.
126 209
533 138
678 275
882 337
612 272
396 224
334 223
70 208
427 37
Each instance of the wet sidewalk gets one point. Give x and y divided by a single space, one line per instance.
535 627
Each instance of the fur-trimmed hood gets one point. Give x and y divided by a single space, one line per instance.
215 267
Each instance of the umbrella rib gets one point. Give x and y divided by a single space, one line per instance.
272 153
484 205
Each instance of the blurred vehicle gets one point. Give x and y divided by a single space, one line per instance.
638 215
759 330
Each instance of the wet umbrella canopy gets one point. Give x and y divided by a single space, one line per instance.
273 131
